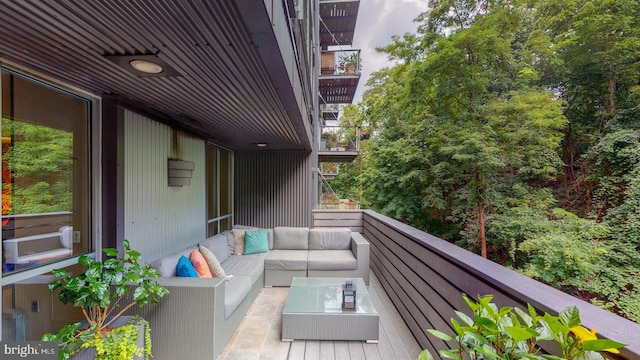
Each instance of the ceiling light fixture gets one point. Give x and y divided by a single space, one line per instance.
261 145
146 66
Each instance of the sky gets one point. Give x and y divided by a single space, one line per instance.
378 20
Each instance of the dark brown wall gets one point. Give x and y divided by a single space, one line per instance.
112 173
273 189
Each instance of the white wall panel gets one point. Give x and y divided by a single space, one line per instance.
160 219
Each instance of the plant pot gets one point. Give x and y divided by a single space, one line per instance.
90 353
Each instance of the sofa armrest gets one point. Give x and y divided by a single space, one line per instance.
185 283
187 316
360 248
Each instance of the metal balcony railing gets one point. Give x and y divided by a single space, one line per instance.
342 62
339 144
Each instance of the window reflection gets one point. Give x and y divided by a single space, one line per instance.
45 177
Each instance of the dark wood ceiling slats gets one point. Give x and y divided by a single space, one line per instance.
339 17
256 65
225 89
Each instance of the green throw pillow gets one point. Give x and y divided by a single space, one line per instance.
256 241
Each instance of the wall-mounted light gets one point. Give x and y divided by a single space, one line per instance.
144 65
179 172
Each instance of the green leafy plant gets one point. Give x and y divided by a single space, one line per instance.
352 59
511 333
100 291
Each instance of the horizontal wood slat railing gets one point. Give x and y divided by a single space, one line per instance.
425 277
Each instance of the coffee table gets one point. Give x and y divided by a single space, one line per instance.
313 311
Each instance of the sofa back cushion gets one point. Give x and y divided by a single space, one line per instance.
291 238
330 239
166 265
229 236
255 242
269 232
219 246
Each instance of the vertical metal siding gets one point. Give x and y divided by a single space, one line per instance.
160 219
273 189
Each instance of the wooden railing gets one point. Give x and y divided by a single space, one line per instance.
425 278
34 224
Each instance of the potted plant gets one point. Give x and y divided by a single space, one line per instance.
352 62
100 291
498 334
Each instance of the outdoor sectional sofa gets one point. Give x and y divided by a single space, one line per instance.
198 317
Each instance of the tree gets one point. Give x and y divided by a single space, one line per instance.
467 113
40 159
587 51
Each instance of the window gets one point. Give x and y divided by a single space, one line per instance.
219 190
46 184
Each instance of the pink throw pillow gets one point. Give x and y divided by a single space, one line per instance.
200 264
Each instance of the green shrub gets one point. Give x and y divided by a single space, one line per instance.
511 333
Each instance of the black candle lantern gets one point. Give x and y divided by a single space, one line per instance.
348 296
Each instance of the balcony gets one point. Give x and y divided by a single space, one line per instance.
339 76
338 21
329 170
424 277
330 112
338 144
416 281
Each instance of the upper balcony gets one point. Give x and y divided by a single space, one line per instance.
339 76
338 144
330 112
337 21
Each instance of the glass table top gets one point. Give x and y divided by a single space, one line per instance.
324 296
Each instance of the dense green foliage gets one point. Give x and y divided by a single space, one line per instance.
512 128
40 159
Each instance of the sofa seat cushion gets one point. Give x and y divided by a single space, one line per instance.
286 260
236 289
247 265
330 239
290 238
332 260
